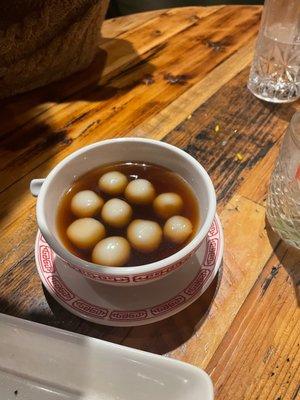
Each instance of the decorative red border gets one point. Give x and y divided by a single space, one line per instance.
142 277
90 309
168 305
136 315
51 278
45 257
60 289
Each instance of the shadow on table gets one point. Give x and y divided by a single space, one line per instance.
31 134
289 259
114 57
172 334
160 337
90 85
283 111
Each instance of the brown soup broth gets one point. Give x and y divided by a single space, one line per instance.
163 179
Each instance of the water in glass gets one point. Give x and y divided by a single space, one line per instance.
283 202
275 71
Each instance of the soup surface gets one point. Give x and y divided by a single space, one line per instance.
162 179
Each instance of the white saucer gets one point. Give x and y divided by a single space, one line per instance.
134 305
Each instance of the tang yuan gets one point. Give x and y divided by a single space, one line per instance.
86 203
144 236
177 229
113 183
116 213
84 233
112 251
167 204
140 191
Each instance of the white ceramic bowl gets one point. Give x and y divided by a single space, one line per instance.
117 150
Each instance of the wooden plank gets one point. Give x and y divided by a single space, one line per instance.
182 107
246 126
115 27
259 357
14 247
250 187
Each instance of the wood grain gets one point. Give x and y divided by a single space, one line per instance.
244 330
259 356
116 26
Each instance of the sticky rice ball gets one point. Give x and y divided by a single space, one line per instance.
144 236
168 204
177 229
85 232
140 191
113 251
113 183
116 213
86 203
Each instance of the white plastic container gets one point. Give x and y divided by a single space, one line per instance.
38 362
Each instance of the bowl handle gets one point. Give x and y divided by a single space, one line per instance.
35 186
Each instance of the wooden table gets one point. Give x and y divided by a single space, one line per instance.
172 75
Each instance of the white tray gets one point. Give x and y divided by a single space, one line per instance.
38 362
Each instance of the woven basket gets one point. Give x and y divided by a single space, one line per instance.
42 41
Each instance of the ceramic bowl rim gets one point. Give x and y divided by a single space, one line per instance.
134 270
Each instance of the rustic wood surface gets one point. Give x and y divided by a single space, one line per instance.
171 75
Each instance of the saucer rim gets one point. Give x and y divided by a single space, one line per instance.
146 320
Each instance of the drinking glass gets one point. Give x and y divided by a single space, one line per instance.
275 71
283 202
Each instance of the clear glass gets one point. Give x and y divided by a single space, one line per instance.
275 71
283 202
